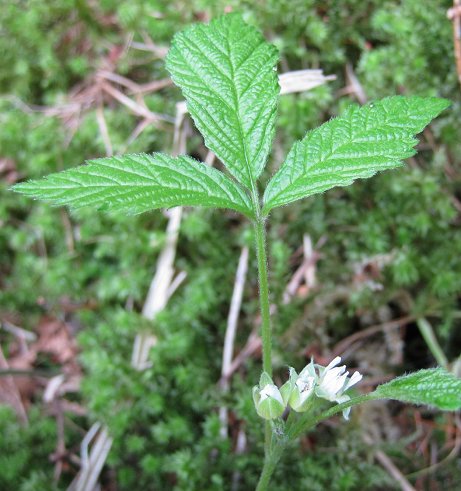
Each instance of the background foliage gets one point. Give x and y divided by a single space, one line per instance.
386 250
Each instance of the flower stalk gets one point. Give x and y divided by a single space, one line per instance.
266 329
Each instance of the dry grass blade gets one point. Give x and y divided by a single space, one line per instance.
387 463
455 15
103 129
302 80
306 271
369 331
135 107
150 46
160 287
355 86
93 461
231 330
252 346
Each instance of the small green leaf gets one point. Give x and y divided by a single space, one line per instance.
226 72
363 141
139 182
433 387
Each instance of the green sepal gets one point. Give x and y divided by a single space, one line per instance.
265 379
267 399
270 408
287 388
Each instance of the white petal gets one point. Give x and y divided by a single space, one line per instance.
333 381
346 411
305 383
336 372
271 391
356 377
304 395
333 363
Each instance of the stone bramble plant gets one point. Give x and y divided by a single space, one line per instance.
226 71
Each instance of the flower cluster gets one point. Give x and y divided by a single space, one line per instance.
330 383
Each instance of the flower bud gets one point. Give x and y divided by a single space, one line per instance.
267 398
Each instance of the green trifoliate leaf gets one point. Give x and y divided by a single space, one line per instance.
363 141
226 73
139 182
433 387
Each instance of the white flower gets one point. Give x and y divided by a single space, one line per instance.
330 383
267 398
333 382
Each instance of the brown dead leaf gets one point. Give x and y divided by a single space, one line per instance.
8 171
9 393
55 339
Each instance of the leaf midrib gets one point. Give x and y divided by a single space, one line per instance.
239 122
328 156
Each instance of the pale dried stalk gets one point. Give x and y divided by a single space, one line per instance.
21 333
231 330
157 296
240 448
355 87
252 345
302 80
454 14
103 130
140 127
160 287
387 463
154 86
176 283
136 108
369 331
92 462
306 271
149 45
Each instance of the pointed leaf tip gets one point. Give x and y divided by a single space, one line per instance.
225 70
139 182
432 387
356 145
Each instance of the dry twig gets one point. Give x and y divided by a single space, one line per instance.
92 462
231 330
305 272
302 80
454 14
369 331
160 287
387 463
